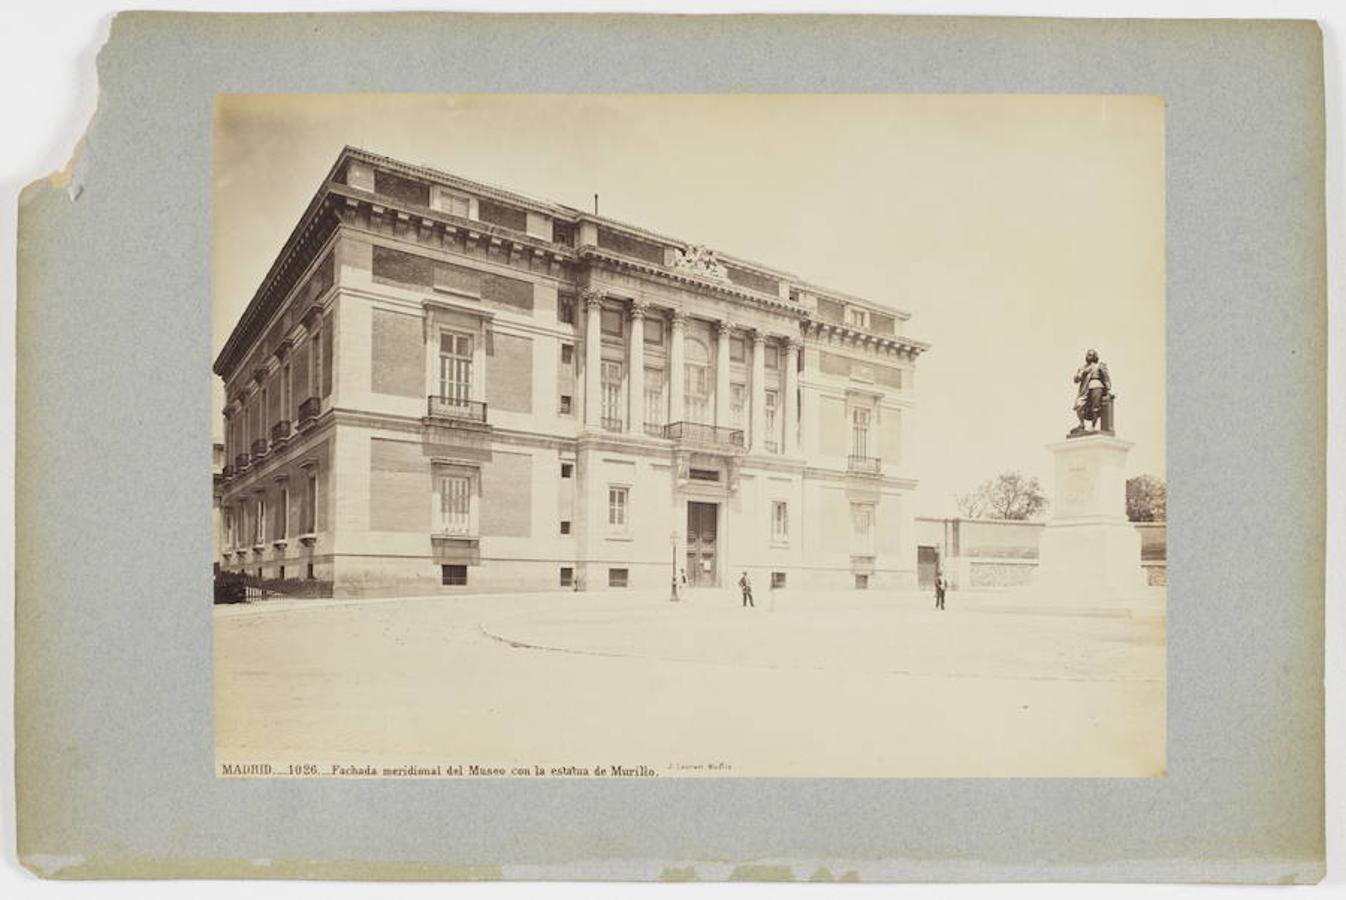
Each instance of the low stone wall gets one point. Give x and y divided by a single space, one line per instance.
997 553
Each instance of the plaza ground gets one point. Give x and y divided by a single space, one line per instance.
848 684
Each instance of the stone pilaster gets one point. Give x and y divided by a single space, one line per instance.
593 360
635 378
790 400
722 411
757 439
676 371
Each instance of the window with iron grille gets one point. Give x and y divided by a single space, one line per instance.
455 367
565 526
567 405
777 580
454 492
567 576
453 575
617 577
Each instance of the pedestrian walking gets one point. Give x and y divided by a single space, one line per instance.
941 585
746 587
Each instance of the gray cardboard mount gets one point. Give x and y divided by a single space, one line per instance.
115 749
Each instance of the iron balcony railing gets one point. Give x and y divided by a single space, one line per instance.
308 411
454 408
655 429
864 465
612 423
699 433
259 448
280 432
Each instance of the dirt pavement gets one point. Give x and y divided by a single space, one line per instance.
814 685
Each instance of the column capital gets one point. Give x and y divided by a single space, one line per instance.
679 318
641 309
724 327
758 336
794 344
592 298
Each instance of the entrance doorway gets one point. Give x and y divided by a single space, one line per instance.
927 566
701 540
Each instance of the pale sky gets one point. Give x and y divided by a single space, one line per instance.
1017 230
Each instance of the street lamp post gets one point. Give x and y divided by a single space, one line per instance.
673 583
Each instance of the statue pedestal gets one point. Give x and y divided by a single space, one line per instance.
1090 553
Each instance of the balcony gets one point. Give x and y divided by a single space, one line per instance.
308 412
864 465
613 423
456 409
259 448
280 433
705 435
655 430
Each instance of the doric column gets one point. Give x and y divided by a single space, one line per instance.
635 379
790 400
758 438
676 372
722 413
593 360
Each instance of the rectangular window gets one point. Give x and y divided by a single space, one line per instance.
260 523
617 503
567 576
780 521
455 368
654 331
612 373
859 432
772 356
738 404
704 474
311 503
567 354
565 526
655 408
455 504
858 318
281 574
565 309
861 582
567 470
283 515
697 392
611 322
567 405
738 349
777 580
617 577
315 364
772 431
308 571
453 575
286 395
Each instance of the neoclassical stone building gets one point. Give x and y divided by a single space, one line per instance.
442 386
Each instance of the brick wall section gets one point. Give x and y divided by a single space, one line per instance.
399 487
892 436
507 495
509 373
833 433
397 364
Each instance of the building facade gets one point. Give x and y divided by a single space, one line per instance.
442 386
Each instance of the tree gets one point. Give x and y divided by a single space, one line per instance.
1146 499
1010 495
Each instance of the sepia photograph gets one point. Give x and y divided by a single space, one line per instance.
698 435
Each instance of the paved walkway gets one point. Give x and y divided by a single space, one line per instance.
847 684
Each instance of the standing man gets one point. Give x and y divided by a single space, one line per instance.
746 587
1093 392
941 584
